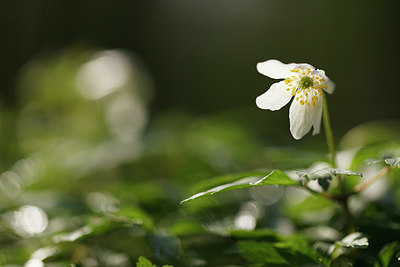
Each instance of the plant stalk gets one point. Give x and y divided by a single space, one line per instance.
369 182
331 146
328 131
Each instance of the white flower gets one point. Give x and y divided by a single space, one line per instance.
305 84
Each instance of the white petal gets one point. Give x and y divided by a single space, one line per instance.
275 69
301 119
275 98
330 86
317 114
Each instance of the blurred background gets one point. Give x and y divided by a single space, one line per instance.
111 110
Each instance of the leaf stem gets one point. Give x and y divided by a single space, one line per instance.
361 187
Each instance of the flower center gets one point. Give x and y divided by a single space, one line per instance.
306 82
306 87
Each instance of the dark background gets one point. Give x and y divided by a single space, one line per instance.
202 54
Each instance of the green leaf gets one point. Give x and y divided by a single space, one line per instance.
134 215
325 176
389 255
289 250
143 262
354 240
341 261
257 234
376 153
311 210
275 177
393 162
186 227
261 252
325 173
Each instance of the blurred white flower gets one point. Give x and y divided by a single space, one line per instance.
305 84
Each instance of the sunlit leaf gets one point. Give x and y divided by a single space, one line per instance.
393 162
371 133
284 253
325 173
376 153
389 255
143 262
325 176
312 209
275 177
261 253
354 240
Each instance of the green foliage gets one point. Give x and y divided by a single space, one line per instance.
389 255
325 176
94 180
280 251
275 177
354 240
143 262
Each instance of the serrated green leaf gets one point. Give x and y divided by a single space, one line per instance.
325 173
261 252
324 176
225 179
354 240
289 250
376 153
393 162
275 177
143 262
389 255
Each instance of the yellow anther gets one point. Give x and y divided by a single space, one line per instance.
301 96
302 102
288 89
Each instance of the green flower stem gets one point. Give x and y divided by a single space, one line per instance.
328 132
343 199
329 140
